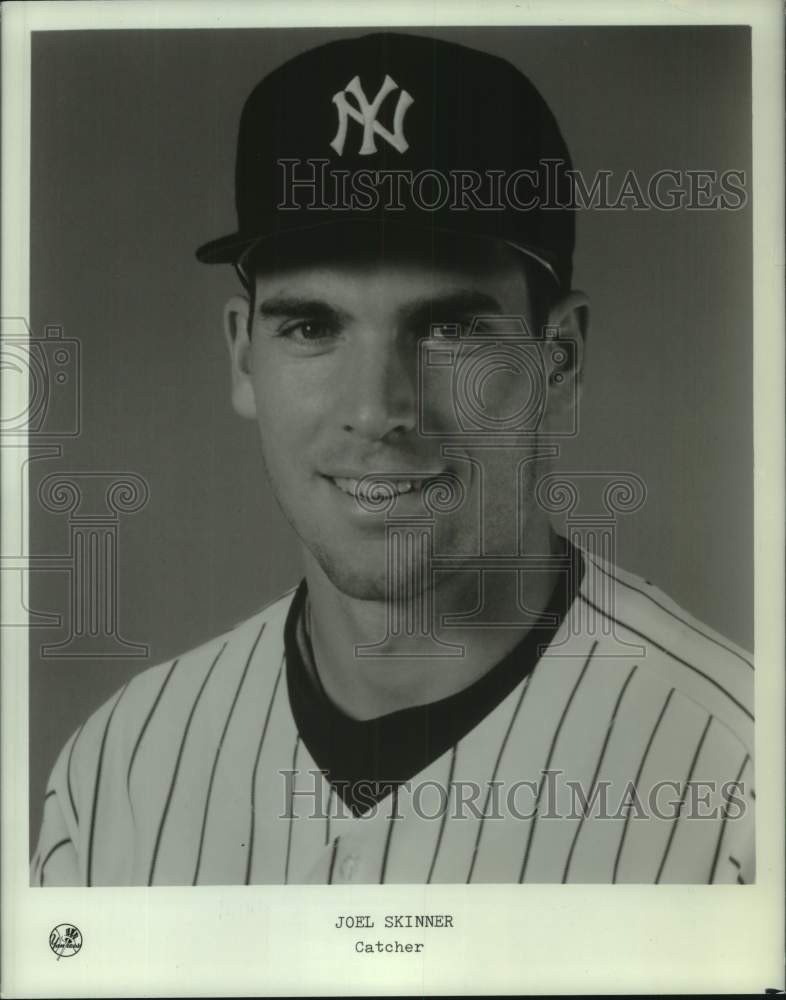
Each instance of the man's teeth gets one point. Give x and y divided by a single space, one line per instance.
371 487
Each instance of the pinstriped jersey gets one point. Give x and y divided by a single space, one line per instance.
625 755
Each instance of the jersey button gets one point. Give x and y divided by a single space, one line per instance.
349 867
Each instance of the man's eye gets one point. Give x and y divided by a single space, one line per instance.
307 331
447 331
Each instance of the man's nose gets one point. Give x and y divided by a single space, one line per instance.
379 397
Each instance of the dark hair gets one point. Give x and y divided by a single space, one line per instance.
543 290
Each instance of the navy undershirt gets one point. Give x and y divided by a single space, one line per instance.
365 759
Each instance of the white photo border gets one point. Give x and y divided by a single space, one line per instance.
271 940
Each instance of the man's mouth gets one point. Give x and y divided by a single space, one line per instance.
370 487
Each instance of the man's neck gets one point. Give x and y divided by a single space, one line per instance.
398 671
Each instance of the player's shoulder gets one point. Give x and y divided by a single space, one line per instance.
678 649
209 672
261 637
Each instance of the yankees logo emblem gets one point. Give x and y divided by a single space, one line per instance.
366 115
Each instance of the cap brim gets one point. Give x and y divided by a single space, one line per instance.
226 249
232 248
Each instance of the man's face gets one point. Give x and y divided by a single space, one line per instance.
331 376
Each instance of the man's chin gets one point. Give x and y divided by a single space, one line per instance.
373 583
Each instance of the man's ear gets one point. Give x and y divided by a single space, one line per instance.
569 319
236 332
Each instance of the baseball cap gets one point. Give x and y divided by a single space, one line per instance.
401 130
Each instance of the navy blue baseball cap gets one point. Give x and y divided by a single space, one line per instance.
404 130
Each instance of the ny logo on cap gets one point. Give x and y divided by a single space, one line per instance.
366 115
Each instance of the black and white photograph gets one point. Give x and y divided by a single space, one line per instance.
389 495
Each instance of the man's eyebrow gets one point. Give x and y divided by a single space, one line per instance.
450 305
453 305
278 306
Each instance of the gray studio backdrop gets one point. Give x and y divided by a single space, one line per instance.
133 137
